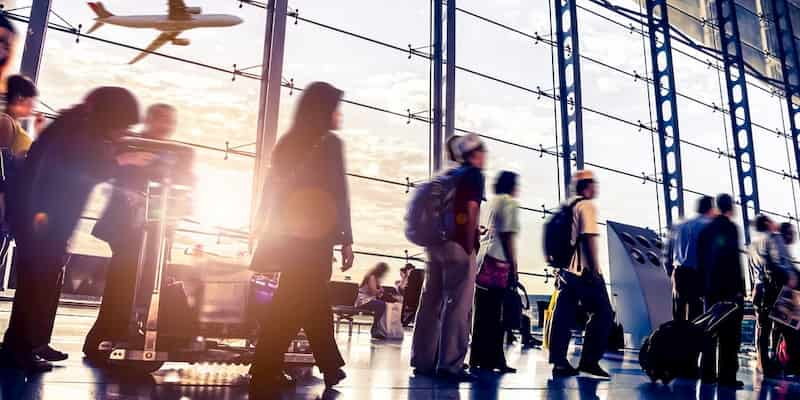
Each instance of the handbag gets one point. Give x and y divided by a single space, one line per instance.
275 250
493 273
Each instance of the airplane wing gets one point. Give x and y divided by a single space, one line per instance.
161 40
177 10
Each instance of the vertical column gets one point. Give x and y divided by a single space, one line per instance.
666 108
790 66
569 81
34 40
436 135
450 75
739 107
270 95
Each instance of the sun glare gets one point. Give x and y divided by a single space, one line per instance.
222 197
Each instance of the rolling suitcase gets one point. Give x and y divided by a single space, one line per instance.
674 347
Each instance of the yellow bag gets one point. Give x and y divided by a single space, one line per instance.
548 316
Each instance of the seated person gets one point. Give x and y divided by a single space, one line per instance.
370 296
402 284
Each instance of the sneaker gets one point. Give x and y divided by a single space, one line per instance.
462 376
564 371
595 370
333 378
48 353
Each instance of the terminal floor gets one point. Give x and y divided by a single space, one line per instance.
377 370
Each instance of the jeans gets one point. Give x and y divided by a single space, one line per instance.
441 333
378 309
591 293
687 302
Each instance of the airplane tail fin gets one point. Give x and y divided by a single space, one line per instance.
100 10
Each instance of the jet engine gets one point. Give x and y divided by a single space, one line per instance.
194 10
181 42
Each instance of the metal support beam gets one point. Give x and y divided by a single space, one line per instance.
569 82
450 75
739 106
438 83
34 40
666 108
790 66
270 96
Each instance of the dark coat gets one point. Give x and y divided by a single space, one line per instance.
720 260
63 165
307 196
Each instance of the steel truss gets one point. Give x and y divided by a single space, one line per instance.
738 104
569 82
438 82
790 66
666 108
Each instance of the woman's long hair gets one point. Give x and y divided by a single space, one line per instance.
378 271
313 118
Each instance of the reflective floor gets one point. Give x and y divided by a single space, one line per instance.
377 370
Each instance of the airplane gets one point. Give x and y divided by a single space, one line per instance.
179 19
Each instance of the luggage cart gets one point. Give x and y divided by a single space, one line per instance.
215 338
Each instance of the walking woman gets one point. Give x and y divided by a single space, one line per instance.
370 295
499 256
305 211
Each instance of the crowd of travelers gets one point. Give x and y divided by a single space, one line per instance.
469 306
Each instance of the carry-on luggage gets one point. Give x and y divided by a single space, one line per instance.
674 347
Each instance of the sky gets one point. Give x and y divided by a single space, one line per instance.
215 109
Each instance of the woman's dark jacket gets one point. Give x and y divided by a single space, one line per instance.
306 195
63 166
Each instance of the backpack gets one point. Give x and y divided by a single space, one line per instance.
430 219
558 247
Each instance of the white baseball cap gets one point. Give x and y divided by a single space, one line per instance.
468 143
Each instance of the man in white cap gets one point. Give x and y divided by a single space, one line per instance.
441 332
582 282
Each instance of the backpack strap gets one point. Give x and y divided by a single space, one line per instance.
576 250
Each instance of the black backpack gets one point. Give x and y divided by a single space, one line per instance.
558 247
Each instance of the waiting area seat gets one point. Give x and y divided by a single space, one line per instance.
342 297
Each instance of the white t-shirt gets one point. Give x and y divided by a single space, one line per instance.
584 222
504 218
